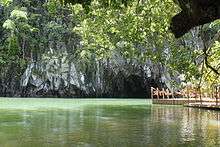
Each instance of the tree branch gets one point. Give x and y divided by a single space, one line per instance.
206 50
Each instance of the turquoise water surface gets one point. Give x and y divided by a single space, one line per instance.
104 123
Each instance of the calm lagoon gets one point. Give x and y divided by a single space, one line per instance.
104 123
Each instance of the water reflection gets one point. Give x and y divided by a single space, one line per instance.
110 125
187 126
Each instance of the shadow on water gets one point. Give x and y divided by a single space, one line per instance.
115 125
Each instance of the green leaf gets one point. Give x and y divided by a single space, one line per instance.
5 2
9 24
19 14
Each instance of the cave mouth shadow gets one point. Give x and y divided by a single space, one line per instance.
138 87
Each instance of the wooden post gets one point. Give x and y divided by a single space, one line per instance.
218 91
152 93
212 95
172 92
200 95
158 93
163 92
167 93
187 93
216 95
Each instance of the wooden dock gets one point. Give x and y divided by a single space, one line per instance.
175 101
204 105
188 98
194 103
183 101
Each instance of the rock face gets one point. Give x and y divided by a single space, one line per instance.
194 13
57 76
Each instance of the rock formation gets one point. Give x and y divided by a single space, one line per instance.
194 13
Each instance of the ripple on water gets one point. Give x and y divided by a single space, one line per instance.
124 123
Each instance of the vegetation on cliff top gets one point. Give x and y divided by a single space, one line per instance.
136 29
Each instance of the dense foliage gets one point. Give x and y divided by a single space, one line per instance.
137 30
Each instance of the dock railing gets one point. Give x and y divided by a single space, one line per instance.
161 94
196 95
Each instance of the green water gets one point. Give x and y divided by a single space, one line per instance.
104 123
